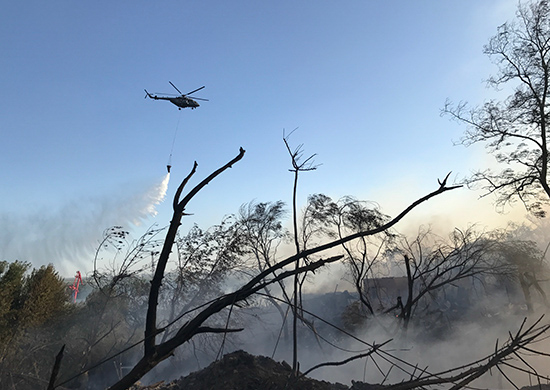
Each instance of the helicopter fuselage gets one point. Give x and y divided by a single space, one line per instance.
182 101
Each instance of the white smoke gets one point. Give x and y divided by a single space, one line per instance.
68 235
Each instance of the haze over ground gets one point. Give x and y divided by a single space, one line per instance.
364 82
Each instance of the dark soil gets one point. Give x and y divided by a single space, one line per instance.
241 371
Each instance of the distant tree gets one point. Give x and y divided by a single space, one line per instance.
529 268
435 265
261 227
45 296
337 219
515 130
529 244
122 257
12 279
31 308
205 259
28 301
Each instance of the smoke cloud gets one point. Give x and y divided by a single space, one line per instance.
67 236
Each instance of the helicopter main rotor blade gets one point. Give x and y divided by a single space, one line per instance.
176 88
196 98
198 89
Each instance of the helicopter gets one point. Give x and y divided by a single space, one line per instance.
182 101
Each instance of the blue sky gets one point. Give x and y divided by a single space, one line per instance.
363 81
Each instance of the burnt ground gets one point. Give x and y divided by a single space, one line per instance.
242 371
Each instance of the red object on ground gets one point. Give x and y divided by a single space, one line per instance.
76 284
